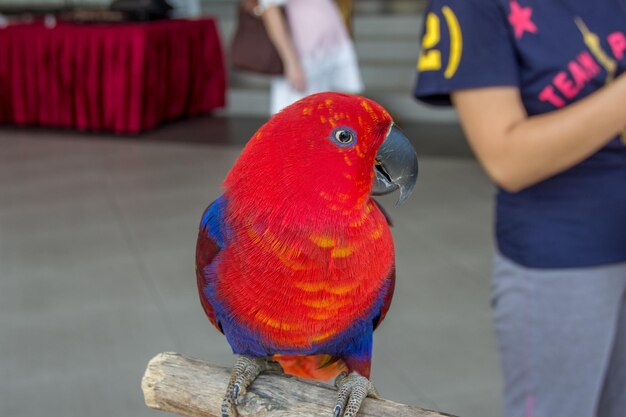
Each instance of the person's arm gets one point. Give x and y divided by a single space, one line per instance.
278 32
518 151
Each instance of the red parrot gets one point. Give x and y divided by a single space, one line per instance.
295 260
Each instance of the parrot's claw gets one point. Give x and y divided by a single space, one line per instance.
351 391
245 371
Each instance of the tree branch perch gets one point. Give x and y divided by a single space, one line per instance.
194 388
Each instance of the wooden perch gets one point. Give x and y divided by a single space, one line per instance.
194 388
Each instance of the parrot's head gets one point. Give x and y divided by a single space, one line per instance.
328 151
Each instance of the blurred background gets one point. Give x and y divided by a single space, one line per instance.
101 195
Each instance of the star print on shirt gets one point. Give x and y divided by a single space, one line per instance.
520 19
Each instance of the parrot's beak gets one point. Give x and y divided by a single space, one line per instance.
395 166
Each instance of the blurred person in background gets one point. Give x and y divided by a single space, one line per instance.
541 95
316 50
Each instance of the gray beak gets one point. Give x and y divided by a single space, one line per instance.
395 166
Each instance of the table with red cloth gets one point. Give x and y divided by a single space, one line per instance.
125 77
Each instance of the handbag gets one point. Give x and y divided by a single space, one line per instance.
251 48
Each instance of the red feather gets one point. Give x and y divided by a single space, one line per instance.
309 252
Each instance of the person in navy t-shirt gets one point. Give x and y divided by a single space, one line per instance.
541 95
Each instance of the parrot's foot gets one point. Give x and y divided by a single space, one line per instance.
245 371
351 391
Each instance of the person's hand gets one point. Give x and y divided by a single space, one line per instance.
295 76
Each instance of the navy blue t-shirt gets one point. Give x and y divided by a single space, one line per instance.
556 52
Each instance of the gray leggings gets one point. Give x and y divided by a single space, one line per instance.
562 336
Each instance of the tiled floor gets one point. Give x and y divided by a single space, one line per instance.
97 239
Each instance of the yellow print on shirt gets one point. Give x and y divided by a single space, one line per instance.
430 56
592 41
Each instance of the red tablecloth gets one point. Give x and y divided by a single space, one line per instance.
123 78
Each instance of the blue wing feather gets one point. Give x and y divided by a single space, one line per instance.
211 240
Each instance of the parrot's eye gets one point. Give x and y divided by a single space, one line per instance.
344 136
